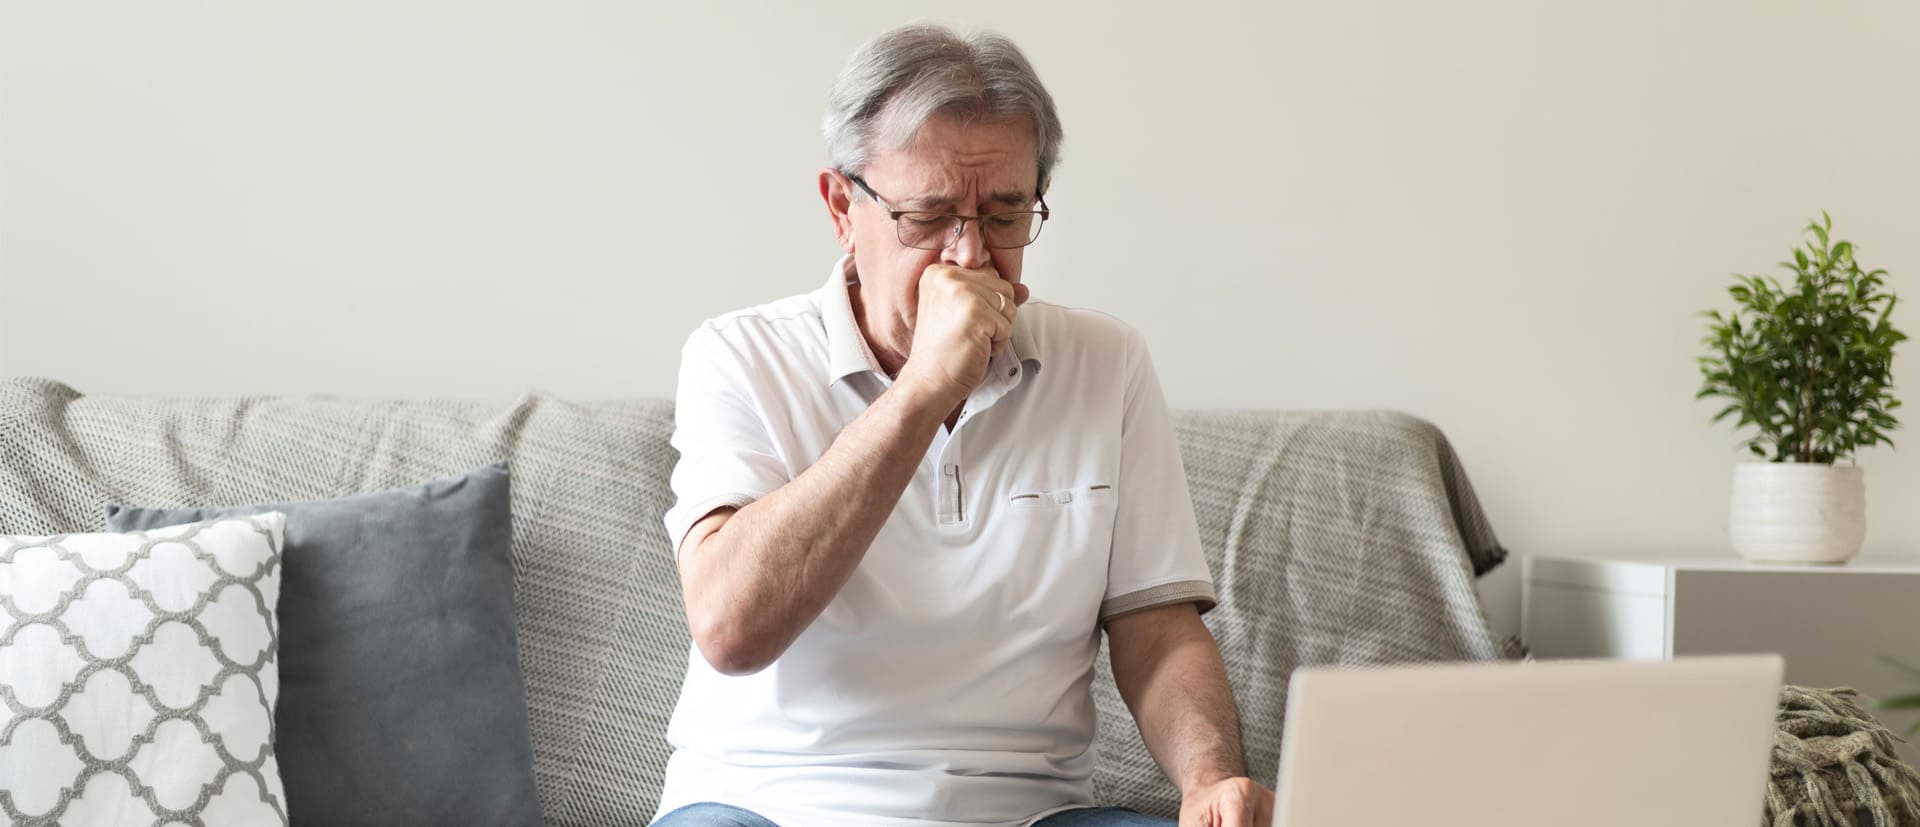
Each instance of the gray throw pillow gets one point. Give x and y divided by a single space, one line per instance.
401 700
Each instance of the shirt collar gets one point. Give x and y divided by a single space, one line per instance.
848 352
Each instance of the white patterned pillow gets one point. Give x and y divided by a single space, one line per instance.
138 674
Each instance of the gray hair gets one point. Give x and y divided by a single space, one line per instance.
899 80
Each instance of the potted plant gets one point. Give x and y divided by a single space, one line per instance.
1811 369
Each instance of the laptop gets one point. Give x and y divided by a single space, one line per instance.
1567 743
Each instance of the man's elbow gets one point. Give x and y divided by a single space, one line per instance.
729 649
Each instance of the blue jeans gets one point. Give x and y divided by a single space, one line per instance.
1103 817
707 814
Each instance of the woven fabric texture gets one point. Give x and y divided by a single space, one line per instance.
1834 765
1333 537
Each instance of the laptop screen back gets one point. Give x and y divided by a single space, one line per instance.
1569 743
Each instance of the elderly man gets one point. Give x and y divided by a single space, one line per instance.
909 501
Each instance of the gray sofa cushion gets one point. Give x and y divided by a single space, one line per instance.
400 692
1333 537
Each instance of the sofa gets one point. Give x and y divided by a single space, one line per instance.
1345 537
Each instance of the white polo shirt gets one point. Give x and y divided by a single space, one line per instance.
948 683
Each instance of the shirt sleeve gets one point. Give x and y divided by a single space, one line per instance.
1157 559
727 457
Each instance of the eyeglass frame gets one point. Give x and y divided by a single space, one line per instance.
1039 198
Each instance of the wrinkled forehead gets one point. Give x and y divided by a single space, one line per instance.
950 160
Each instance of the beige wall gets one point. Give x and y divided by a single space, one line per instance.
1497 215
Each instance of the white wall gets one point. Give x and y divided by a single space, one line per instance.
1498 215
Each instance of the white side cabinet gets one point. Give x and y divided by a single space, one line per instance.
1834 624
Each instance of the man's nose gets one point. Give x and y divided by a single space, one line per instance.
969 251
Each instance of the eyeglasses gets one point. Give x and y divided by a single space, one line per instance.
924 230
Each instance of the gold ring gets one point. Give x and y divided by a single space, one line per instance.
1002 306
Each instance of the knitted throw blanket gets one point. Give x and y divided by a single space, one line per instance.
1832 760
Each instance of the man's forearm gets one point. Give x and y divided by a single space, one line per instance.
1168 669
752 586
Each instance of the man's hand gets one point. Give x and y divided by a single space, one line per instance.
963 318
1230 802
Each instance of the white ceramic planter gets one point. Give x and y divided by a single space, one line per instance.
1797 512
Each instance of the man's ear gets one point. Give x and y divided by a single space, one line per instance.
839 198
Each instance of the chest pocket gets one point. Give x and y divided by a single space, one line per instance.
1065 537
1094 497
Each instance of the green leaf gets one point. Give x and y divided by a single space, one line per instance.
1901 702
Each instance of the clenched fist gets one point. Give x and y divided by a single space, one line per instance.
962 319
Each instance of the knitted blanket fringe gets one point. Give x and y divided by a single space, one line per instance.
1832 760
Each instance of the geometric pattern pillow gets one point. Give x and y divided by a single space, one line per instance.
138 674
